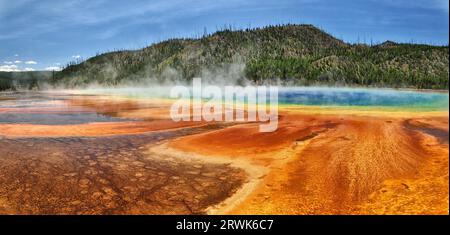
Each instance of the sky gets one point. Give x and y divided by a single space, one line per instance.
47 34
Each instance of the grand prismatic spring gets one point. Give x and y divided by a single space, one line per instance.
116 151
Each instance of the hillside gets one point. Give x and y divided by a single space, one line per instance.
24 80
288 54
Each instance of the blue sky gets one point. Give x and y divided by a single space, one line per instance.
43 34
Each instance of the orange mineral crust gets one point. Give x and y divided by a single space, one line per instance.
337 164
90 129
108 155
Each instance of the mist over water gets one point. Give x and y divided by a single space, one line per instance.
317 96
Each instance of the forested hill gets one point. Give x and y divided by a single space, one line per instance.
29 80
287 54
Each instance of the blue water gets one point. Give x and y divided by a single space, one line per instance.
363 97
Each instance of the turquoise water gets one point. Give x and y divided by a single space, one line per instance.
364 98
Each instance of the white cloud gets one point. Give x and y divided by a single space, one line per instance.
57 64
31 62
9 68
14 68
7 62
17 61
53 68
76 56
16 55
